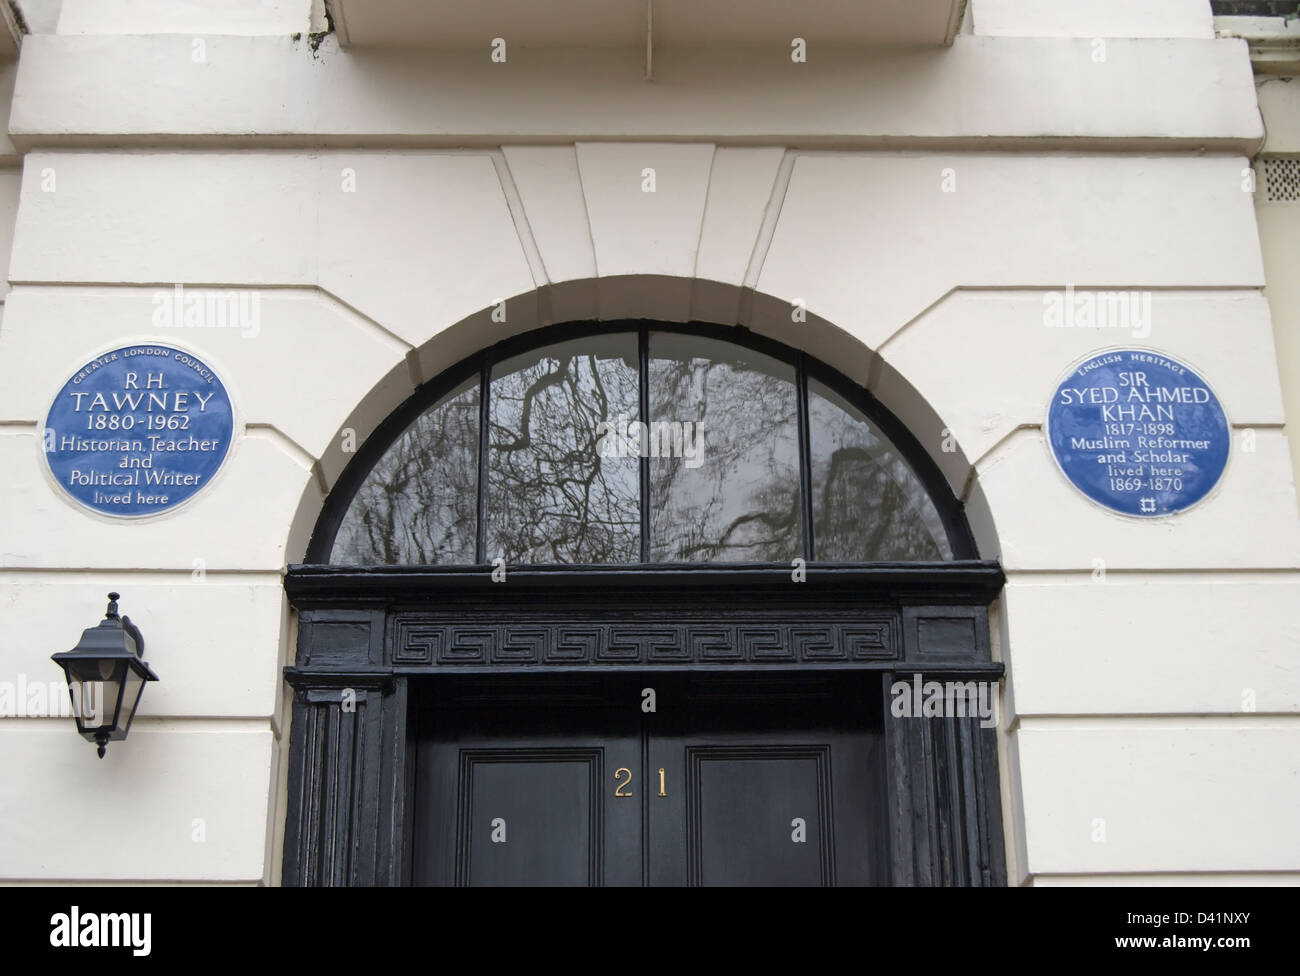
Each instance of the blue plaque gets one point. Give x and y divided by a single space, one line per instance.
1138 432
139 430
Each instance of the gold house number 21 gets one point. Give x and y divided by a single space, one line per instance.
625 775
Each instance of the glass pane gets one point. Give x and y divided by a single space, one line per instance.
419 504
132 688
868 505
727 418
91 703
559 489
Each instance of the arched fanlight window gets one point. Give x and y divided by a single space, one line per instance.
625 444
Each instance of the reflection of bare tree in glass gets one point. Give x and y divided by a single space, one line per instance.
418 505
551 497
742 502
867 503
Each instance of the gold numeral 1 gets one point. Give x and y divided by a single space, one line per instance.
661 782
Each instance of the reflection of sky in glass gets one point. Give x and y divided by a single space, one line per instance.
742 502
867 503
551 497
418 505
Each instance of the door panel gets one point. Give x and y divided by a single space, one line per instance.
530 816
729 782
514 786
743 822
753 755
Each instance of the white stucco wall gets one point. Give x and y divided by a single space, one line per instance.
1124 697
184 16
1092 18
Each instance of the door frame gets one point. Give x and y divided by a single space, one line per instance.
365 634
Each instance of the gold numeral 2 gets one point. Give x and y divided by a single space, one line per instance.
625 785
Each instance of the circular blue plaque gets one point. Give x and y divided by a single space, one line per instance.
139 430
1138 432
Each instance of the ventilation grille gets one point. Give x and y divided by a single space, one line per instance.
1282 179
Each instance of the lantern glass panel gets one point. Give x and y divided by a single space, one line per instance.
89 703
132 688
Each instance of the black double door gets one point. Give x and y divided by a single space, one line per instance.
649 779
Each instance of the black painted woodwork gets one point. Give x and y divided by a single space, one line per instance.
374 645
536 757
569 772
744 755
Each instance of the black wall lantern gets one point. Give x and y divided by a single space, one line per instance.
106 676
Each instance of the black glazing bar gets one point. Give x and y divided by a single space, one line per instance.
643 408
485 384
805 458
